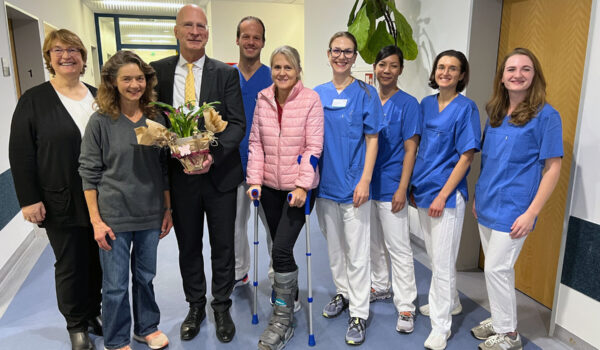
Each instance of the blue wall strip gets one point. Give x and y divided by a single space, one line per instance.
581 267
10 205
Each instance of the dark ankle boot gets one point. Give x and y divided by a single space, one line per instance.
81 341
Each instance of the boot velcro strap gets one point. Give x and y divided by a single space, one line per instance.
279 290
278 329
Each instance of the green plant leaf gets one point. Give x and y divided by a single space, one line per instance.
406 43
353 11
163 105
378 40
360 28
375 9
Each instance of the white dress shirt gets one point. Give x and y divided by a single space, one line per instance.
181 72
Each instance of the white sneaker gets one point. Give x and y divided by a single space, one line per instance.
424 310
436 341
406 322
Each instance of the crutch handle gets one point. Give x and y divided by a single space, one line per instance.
255 197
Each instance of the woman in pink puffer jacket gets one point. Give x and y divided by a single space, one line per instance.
288 122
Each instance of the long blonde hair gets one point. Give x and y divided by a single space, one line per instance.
498 105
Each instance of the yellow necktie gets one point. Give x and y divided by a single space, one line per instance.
190 86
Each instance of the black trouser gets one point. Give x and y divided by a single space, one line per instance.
192 197
77 275
285 224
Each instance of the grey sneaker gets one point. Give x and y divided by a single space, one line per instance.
424 310
379 295
335 306
484 330
357 329
502 342
406 322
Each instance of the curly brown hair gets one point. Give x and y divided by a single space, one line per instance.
67 37
108 95
498 105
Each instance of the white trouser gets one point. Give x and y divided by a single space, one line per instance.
442 240
241 246
501 253
390 235
346 229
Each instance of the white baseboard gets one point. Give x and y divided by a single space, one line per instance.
17 268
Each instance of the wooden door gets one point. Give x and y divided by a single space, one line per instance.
556 31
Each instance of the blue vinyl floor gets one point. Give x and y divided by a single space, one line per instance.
32 321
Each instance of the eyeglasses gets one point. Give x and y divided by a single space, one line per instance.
58 51
348 53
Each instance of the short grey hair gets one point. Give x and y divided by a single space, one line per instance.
292 56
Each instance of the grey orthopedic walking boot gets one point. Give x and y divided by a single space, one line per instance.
281 324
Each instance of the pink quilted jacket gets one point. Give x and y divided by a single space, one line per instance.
273 150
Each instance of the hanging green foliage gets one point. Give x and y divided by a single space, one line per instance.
372 36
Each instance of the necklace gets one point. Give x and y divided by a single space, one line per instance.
344 84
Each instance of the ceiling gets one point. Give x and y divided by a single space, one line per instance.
157 7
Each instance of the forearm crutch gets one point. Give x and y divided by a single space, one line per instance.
255 282
311 335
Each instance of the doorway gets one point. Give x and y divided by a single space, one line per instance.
26 49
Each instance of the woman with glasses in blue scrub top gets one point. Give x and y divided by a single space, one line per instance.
520 166
352 121
450 138
398 142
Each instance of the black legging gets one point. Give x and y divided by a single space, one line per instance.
285 224
77 275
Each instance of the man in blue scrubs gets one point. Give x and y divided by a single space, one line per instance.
254 77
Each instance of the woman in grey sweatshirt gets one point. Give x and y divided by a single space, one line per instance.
126 190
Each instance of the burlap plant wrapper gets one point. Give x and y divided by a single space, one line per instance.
154 134
190 151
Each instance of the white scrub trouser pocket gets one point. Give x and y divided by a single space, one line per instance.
442 240
347 232
240 240
390 241
501 253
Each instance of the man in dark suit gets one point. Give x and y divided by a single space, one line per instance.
192 76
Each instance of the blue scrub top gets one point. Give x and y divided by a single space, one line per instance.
512 160
401 120
349 115
446 136
260 80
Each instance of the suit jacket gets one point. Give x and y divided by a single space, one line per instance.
44 151
220 82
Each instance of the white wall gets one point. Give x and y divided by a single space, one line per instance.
437 26
576 312
284 25
70 14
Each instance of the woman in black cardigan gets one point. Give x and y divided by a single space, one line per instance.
44 147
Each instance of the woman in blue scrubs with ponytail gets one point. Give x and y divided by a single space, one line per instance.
390 238
352 121
520 166
450 137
